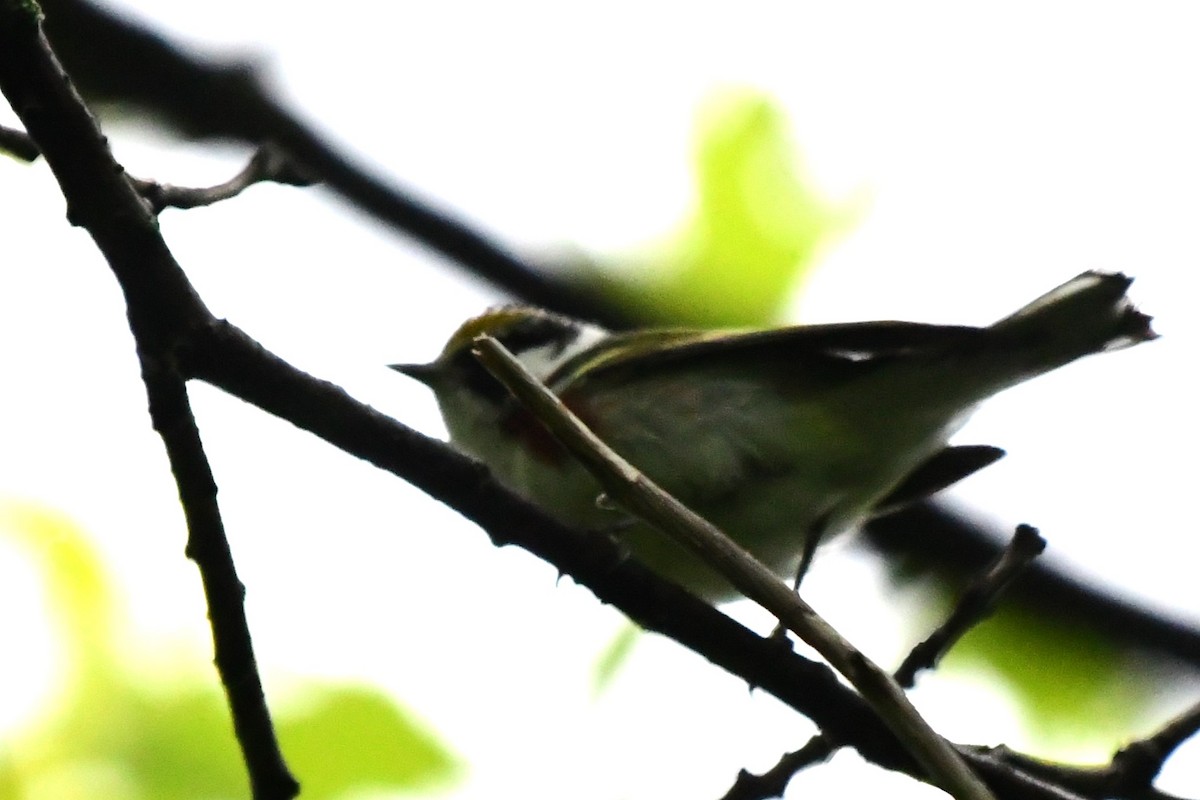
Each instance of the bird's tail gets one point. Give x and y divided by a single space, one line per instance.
1088 314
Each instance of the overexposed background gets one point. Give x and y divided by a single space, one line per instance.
995 153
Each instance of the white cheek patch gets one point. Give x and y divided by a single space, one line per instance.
543 361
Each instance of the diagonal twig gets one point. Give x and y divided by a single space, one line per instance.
975 603
938 541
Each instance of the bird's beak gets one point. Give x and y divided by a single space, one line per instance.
425 373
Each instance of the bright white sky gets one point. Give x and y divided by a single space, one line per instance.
1004 150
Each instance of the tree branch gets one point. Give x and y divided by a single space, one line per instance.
1100 783
1026 544
162 306
18 144
209 548
268 164
975 604
932 539
114 58
1137 764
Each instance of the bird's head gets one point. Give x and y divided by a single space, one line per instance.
472 401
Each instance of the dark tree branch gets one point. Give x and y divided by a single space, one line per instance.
114 58
1109 781
209 548
1137 764
162 306
268 164
972 607
975 604
18 144
1129 774
774 781
932 539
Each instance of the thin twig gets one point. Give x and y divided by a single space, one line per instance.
161 308
636 493
1094 782
936 541
18 144
1023 783
975 604
1130 773
1137 764
269 164
772 783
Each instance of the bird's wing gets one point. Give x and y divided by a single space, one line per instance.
807 355
735 407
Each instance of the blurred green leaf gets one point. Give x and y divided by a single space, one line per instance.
1072 685
755 230
613 657
76 585
174 746
355 737
112 736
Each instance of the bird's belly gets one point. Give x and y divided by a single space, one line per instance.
768 511
770 516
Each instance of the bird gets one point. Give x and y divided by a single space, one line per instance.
781 437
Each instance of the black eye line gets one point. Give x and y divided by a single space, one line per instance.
537 332
528 334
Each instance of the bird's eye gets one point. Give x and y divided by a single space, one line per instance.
535 333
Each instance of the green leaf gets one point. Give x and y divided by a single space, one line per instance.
1072 685
355 737
77 587
613 657
755 230
113 736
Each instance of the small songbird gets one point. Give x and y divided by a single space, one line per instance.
777 436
